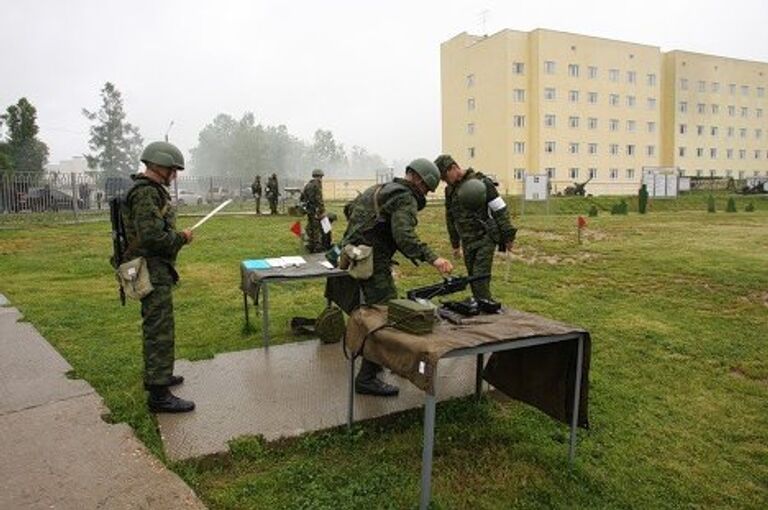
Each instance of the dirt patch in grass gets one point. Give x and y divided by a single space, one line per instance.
752 373
530 256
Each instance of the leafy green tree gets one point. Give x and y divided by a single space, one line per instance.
731 205
710 204
116 144
326 152
22 151
642 199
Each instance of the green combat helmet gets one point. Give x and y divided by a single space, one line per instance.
317 172
163 154
329 325
471 194
427 171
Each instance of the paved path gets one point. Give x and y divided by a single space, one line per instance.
55 450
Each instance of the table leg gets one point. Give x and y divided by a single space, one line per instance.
426 456
479 376
351 396
265 313
576 399
245 309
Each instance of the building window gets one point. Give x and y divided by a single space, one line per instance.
651 79
683 107
651 127
742 132
702 86
713 153
699 130
683 129
593 173
757 154
744 112
759 113
519 95
630 173
551 172
471 104
471 153
683 83
630 149
731 110
519 121
758 133
631 77
631 101
573 70
549 147
728 153
550 120
681 152
613 75
549 94
593 148
549 67
730 131
613 173
760 91
573 122
732 88
519 147
728 173
713 130
573 96
519 174
518 67
573 148
682 172
650 151
651 103
631 126
471 128
592 123
614 149
470 80
613 100
573 173
715 109
613 124
592 72
699 152
715 87
744 90
592 97
699 173
701 108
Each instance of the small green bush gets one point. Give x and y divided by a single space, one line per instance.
711 204
750 207
642 199
621 208
731 205
593 211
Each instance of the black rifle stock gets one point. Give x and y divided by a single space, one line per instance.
118 237
448 286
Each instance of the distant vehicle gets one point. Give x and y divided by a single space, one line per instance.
218 194
186 197
47 199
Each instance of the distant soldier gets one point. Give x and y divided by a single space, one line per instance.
312 199
477 220
150 228
256 190
273 193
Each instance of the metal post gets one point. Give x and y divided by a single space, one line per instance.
73 180
479 376
245 309
426 456
351 396
265 313
576 399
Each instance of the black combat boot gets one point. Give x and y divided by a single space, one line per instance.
175 380
366 382
161 400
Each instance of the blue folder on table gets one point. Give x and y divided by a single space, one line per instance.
256 264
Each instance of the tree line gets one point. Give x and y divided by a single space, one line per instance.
226 146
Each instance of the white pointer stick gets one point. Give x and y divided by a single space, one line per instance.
210 214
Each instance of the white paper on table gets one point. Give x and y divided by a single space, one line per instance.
275 262
294 261
326 224
326 264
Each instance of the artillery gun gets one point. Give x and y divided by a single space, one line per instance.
577 190
754 187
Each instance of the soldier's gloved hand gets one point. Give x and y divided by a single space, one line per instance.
457 253
443 265
188 235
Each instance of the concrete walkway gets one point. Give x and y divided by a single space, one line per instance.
55 450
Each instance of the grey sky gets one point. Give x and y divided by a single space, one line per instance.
369 71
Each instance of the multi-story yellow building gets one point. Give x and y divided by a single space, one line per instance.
579 107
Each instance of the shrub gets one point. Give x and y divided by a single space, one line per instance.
642 199
593 211
621 208
731 205
711 204
750 207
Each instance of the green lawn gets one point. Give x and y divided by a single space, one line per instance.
676 301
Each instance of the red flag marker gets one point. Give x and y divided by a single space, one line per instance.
582 222
296 229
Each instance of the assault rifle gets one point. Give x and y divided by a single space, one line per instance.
119 242
449 285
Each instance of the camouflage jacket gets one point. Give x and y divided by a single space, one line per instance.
256 187
489 224
150 228
394 227
272 189
312 198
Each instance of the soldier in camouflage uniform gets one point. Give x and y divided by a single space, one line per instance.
150 226
273 192
312 198
256 190
477 227
384 217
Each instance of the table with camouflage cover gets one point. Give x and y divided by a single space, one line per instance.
255 281
536 360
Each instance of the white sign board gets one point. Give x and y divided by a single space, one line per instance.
536 186
660 184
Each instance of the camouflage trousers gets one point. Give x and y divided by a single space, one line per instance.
479 259
314 234
158 332
258 203
273 205
380 287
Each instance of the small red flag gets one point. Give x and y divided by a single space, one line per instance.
296 229
582 222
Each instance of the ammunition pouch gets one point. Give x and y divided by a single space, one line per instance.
330 325
357 260
134 278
